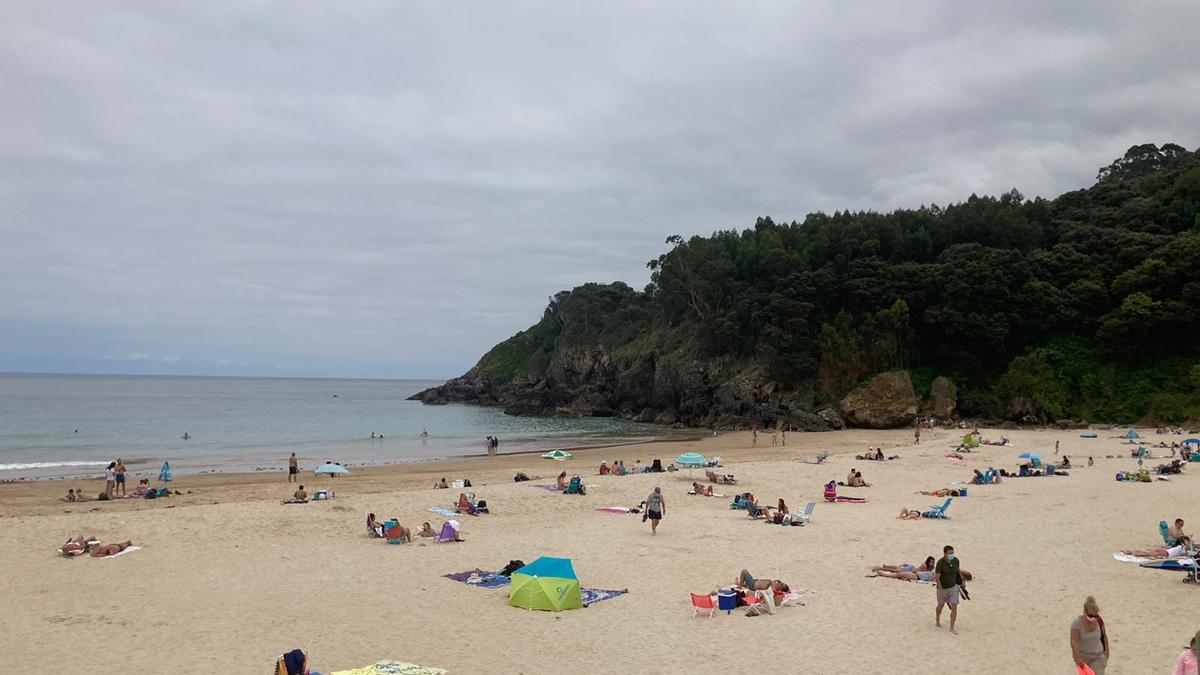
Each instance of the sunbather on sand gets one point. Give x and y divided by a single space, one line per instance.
944 492
747 580
106 550
78 544
1157 552
909 514
562 481
703 490
441 485
426 530
907 572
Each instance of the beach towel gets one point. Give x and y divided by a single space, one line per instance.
131 549
390 667
442 512
484 578
613 509
594 595
715 494
1125 557
1087 435
547 488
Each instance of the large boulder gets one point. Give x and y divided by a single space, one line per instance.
885 401
943 398
832 418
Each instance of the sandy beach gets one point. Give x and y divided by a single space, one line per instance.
229 578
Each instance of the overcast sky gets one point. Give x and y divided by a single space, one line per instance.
387 189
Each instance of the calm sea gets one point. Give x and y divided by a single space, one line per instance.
73 425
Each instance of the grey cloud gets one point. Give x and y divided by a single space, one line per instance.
391 188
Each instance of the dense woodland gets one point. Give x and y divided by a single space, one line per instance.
1086 306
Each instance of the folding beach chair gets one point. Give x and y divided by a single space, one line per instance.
820 459
703 602
1162 530
575 487
938 510
804 516
831 492
447 533
391 531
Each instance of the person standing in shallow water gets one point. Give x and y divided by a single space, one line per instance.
656 506
293 468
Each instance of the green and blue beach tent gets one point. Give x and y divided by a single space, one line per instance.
971 441
165 474
1132 434
546 583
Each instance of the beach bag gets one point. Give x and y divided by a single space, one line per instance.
103 496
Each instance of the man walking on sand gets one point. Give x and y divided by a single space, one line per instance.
655 508
946 577
293 468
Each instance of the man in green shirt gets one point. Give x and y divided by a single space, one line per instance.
945 575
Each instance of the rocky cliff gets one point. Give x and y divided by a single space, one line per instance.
552 369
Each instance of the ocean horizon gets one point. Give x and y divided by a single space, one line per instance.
73 425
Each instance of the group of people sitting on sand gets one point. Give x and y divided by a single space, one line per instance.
92 546
443 485
782 514
396 531
618 468
854 479
875 455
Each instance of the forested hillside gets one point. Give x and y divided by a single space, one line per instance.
1082 307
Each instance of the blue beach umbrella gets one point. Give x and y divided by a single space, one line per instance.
330 469
691 460
1029 455
1192 441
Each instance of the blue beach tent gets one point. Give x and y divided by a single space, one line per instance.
165 474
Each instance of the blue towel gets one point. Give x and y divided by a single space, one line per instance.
443 512
594 595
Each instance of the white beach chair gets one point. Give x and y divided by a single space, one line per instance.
806 515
